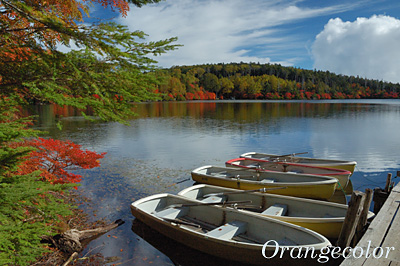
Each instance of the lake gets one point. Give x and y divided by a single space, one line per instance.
156 152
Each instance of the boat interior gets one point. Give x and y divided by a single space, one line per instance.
224 223
264 177
268 204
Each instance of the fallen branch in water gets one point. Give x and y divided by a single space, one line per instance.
74 240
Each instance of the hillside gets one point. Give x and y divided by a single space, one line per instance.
267 81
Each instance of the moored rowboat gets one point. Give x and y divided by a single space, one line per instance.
290 184
225 232
341 175
322 217
291 158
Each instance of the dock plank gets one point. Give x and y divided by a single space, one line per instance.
382 232
392 238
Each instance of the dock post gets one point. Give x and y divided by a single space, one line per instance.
352 218
380 195
361 226
381 235
388 186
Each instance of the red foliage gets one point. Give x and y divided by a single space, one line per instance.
199 95
189 96
54 157
302 95
273 96
118 98
210 95
259 95
390 95
339 95
289 96
326 96
17 54
121 5
308 95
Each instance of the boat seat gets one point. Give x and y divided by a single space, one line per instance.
276 210
214 199
267 181
172 213
222 174
228 230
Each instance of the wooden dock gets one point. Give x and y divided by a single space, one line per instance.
382 236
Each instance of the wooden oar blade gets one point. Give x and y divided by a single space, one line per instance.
262 190
291 154
194 204
176 221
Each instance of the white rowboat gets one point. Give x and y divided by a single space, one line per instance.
290 184
291 158
322 217
342 176
225 232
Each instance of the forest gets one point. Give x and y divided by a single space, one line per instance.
267 81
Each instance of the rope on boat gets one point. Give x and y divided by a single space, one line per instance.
341 188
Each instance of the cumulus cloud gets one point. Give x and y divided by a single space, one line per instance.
226 30
367 47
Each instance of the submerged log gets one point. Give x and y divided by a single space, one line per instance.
74 240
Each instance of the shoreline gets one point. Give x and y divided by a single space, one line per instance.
78 220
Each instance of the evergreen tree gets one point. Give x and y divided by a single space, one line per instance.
112 68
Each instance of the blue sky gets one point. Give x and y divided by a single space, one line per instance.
347 37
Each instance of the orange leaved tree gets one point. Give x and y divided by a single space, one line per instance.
53 158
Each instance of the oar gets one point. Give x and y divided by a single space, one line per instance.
263 190
244 176
180 222
208 203
246 206
178 182
291 154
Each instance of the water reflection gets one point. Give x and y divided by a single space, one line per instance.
160 147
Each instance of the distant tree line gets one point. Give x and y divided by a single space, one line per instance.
266 81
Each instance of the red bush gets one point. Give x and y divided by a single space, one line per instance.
54 157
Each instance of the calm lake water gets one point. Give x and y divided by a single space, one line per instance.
160 147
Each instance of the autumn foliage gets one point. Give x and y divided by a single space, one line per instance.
54 157
200 95
269 82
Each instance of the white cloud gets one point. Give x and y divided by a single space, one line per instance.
367 47
225 30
